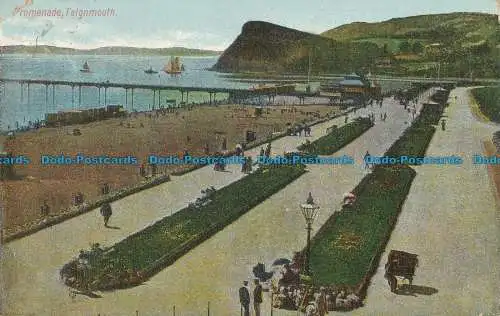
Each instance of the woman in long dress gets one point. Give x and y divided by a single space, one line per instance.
321 303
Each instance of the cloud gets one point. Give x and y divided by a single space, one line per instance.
79 33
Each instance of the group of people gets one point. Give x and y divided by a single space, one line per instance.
220 165
297 130
267 152
316 302
245 300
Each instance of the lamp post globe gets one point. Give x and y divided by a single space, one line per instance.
310 211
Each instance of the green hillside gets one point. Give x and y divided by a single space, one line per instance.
461 42
465 27
267 47
446 45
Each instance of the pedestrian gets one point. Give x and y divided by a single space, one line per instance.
366 158
224 144
244 165
45 209
261 152
249 164
385 116
105 189
106 212
257 297
321 303
245 299
268 150
345 119
443 125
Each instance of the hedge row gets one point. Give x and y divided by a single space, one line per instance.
489 102
337 138
142 254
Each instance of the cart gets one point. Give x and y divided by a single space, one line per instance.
400 264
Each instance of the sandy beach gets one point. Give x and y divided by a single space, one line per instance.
138 135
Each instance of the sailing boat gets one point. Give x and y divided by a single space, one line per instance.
85 67
150 71
174 66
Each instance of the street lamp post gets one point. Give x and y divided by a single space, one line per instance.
310 212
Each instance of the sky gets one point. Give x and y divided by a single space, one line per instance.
209 24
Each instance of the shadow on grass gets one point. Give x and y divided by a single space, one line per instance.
415 290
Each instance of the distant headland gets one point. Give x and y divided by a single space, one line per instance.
109 50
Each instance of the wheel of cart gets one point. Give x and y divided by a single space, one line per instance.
400 266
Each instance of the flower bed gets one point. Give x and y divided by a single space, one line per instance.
337 138
142 254
342 251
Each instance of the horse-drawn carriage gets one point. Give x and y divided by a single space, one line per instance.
401 265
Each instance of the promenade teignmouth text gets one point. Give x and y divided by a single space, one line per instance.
67 12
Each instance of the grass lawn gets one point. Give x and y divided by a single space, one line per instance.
489 102
159 245
342 252
417 137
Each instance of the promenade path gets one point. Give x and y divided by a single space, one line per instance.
451 221
212 271
30 265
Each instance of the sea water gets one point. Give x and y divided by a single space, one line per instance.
16 107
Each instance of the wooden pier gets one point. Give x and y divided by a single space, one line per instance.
234 93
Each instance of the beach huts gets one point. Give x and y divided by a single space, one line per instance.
83 116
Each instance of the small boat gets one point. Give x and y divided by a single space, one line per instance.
85 67
174 67
150 71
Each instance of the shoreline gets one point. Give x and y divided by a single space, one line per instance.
52 183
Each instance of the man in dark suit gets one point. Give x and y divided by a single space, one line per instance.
257 297
106 212
245 298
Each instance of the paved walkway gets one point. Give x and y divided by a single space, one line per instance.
37 258
211 272
451 221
